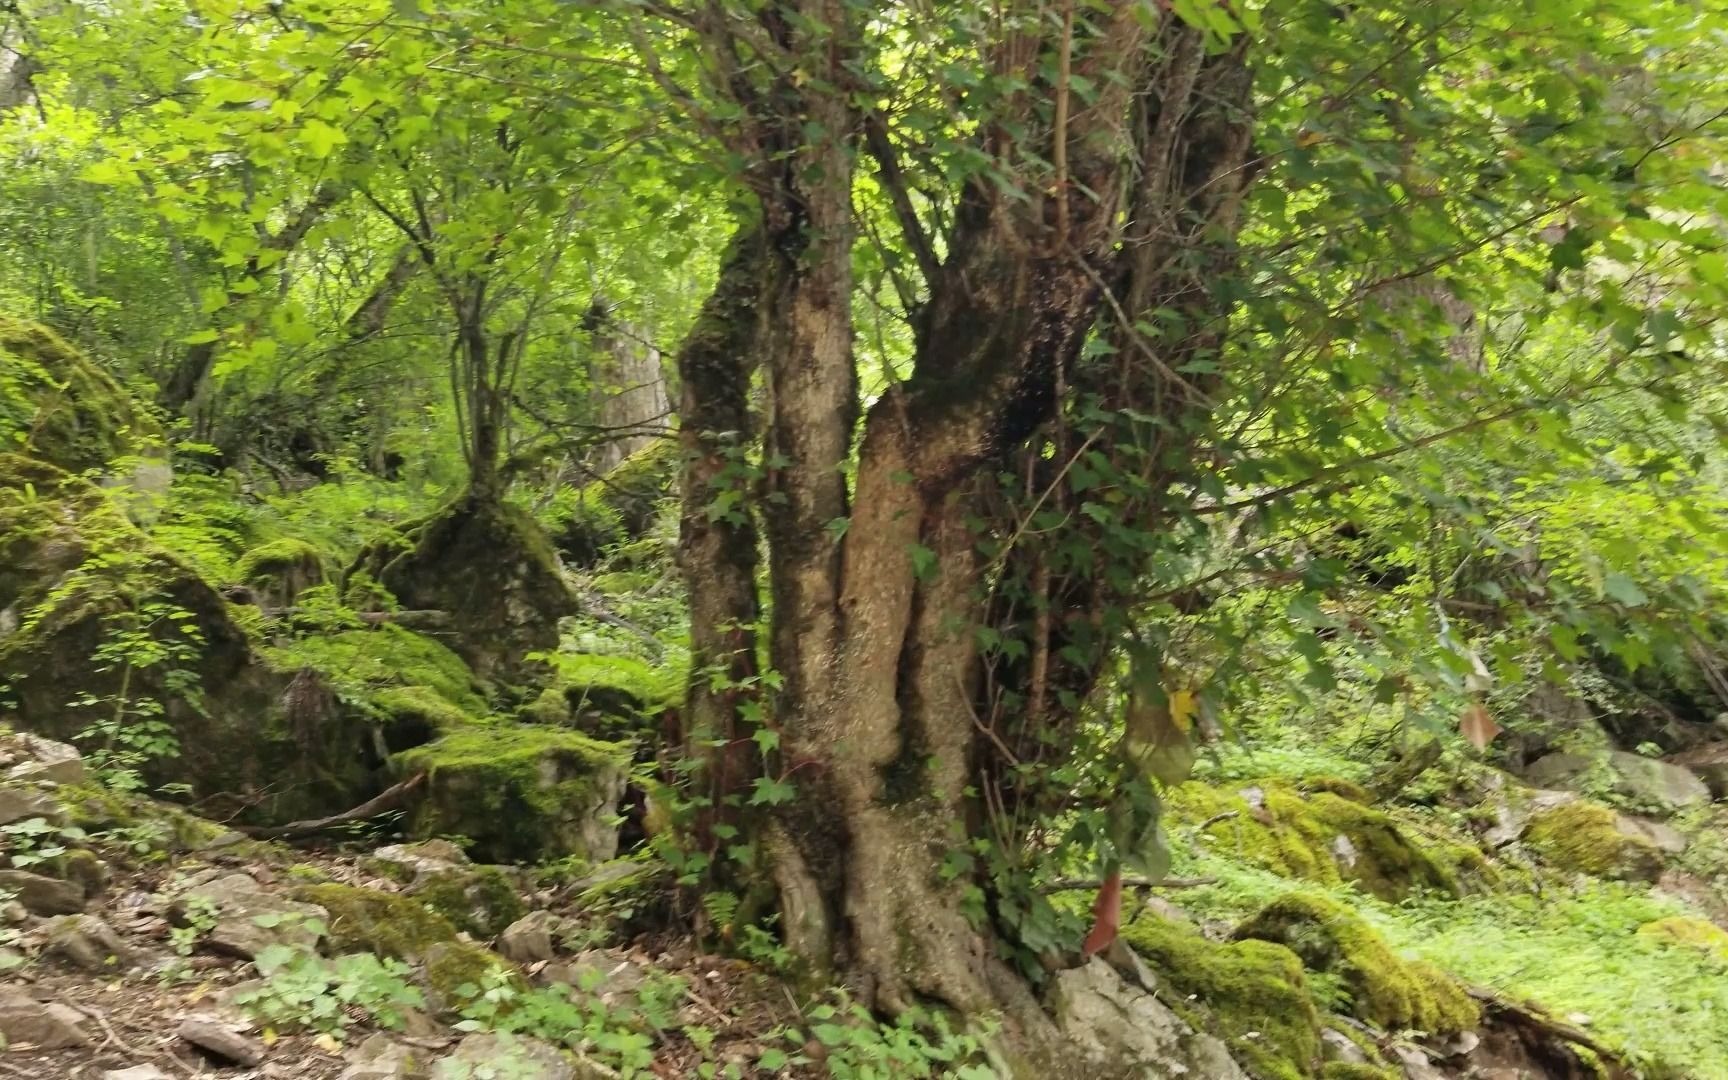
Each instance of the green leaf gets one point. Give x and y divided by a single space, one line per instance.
1624 590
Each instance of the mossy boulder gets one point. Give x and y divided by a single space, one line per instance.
61 408
1320 836
1385 989
281 570
101 619
1589 838
617 507
413 687
489 565
606 695
393 925
1690 932
280 734
519 793
480 900
1252 994
370 920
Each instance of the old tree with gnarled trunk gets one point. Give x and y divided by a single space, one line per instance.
1066 202
875 579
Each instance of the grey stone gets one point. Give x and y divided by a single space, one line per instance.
1337 1046
221 1040
1556 770
597 971
43 895
487 1054
1657 784
54 762
18 803
23 1019
240 902
1127 1031
381 1057
89 943
410 863
1664 836
529 939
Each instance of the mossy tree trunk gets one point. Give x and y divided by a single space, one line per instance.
876 590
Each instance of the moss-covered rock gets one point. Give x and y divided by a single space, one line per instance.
102 620
618 507
1319 836
281 570
606 695
98 810
1252 994
519 793
59 407
491 567
1354 1070
1689 931
1384 988
1586 837
480 900
456 972
369 920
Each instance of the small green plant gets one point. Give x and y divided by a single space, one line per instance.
302 990
618 1036
919 1043
37 840
200 915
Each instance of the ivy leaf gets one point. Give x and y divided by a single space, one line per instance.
768 791
1624 590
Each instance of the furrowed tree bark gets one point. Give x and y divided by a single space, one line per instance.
876 596
717 547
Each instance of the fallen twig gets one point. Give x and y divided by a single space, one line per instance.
1077 884
384 800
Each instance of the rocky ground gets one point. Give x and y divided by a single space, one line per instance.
138 963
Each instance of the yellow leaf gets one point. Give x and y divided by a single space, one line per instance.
1182 708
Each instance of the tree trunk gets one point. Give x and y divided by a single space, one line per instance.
717 536
629 395
876 596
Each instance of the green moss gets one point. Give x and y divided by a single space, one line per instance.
1345 1070
367 662
480 900
282 569
1344 789
69 411
488 564
1384 988
1254 994
84 868
422 705
456 971
520 793
98 810
1581 836
1690 931
1299 836
367 920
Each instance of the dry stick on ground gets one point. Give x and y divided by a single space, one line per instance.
384 800
1078 884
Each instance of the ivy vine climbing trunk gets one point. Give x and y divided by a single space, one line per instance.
878 587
